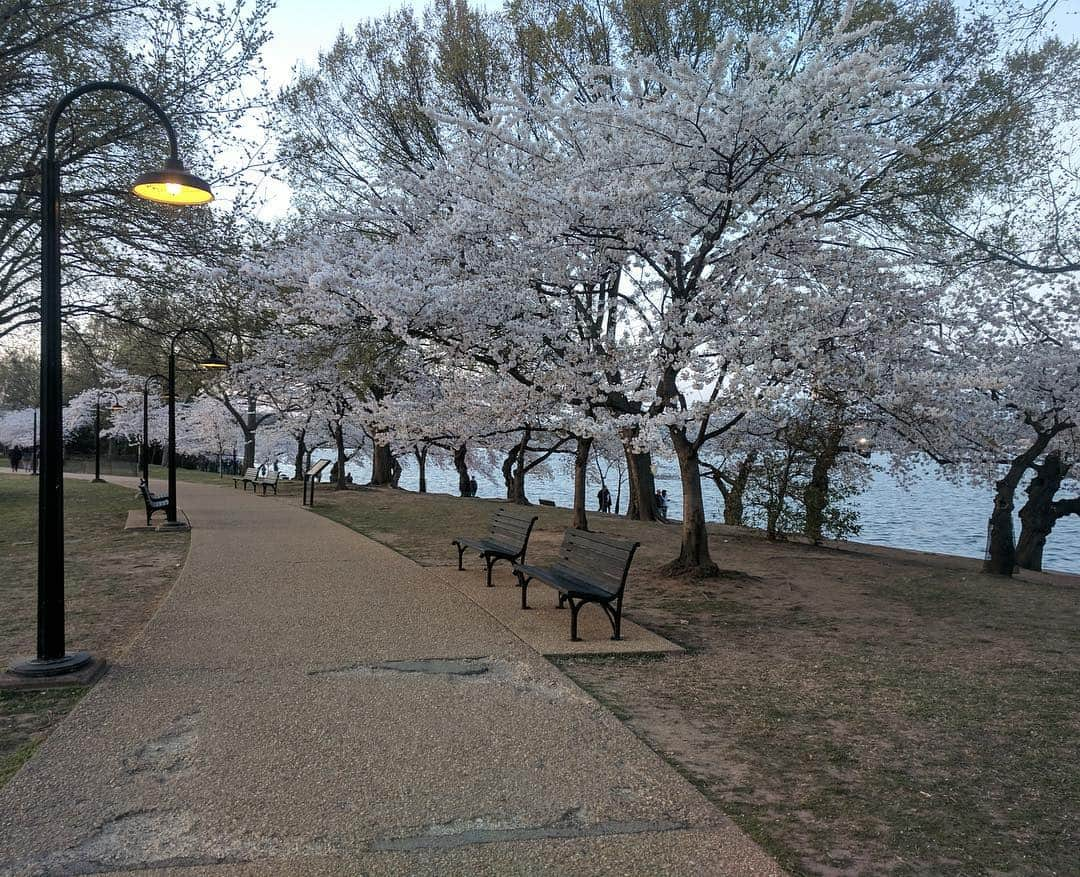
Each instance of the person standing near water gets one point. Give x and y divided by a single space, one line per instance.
15 456
603 498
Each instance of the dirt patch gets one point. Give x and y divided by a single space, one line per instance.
115 580
866 717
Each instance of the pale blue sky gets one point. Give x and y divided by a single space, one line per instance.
303 27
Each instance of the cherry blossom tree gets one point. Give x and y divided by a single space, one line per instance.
17 427
699 209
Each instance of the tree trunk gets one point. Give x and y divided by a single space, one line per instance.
735 505
816 493
421 464
382 466
581 465
779 483
694 559
733 490
641 499
513 469
395 471
1038 516
298 460
462 467
249 428
339 442
1000 547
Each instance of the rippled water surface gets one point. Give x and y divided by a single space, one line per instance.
929 514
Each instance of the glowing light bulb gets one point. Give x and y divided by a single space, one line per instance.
173 188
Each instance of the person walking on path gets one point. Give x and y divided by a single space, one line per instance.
15 455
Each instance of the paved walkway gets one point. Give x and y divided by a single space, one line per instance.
306 701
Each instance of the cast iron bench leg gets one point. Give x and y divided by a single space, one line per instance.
614 618
460 554
490 563
575 608
523 583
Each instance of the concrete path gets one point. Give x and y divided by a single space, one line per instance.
306 701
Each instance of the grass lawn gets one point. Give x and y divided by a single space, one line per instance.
114 582
857 710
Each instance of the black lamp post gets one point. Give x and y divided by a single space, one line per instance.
116 406
145 445
171 185
212 361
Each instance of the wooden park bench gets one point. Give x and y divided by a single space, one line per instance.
507 539
591 569
250 476
266 481
154 503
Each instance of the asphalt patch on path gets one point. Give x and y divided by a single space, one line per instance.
432 666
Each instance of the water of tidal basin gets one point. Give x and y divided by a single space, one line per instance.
927 514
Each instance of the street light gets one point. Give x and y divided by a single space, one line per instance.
116 406
145 446
212 361
170 185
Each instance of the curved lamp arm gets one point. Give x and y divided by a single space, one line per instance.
192 330
65 101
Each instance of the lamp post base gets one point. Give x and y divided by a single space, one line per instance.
32 667
97 481
173 526
75 668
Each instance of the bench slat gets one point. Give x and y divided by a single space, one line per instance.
510 526
589 560
511 518
617 551
601 539
603 562
509 538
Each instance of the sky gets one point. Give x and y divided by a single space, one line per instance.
302 27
